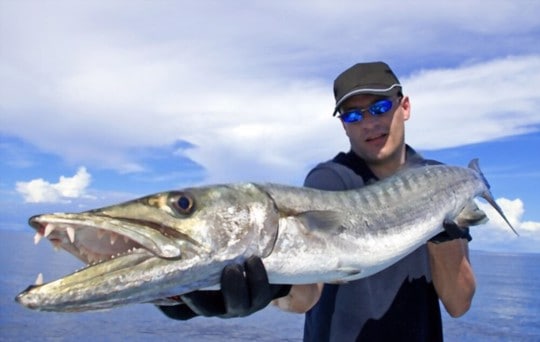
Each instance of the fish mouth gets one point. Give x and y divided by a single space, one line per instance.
107 245
97 239
87 243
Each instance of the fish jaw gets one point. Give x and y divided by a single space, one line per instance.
137 277
71 289
150 248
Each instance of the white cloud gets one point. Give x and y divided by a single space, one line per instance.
253 94
67 188
496 235
474 103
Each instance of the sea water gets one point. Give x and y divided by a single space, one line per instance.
506 306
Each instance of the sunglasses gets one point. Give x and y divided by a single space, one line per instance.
376 109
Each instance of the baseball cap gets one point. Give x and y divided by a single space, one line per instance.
365 78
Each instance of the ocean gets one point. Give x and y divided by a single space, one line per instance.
506 306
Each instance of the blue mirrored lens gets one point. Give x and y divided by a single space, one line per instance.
380 107
351 116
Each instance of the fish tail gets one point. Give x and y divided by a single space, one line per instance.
475 165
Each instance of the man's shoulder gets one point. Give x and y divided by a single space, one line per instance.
330 175
416 159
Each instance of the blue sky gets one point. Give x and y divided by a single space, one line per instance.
102 101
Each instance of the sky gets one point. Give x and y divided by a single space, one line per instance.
105 101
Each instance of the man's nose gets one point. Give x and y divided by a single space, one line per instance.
369 120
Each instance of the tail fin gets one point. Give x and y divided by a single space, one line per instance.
487 194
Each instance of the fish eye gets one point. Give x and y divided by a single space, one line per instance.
183 203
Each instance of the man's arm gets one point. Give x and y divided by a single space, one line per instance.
452 275
300 299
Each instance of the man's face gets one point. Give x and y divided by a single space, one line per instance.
377 139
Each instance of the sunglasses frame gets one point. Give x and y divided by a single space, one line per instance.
345 117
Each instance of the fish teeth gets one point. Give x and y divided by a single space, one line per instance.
113 238
37 238
39 279
91 258
71 234
49 229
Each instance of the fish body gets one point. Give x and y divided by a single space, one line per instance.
176 242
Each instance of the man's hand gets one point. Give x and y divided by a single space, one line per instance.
244 290
451 232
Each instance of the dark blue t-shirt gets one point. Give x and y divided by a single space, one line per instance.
396 304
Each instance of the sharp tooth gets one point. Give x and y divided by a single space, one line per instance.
71 234
100 233
37 238
91 258
49 229
39 280
113 238
126 239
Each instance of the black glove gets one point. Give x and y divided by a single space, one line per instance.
451 232
244 290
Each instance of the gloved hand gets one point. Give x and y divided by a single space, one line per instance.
451 232
244 290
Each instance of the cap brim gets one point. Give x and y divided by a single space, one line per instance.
392 90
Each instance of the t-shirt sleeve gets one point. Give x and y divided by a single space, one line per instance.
324 178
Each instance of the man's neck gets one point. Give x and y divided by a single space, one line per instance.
389 166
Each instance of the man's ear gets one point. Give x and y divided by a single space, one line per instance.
406 107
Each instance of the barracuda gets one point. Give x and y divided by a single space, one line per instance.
166 244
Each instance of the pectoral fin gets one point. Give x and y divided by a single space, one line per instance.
471 215
322 220
348 275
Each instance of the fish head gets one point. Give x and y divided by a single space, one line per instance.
168 225
170 231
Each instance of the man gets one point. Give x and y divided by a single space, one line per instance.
400 303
